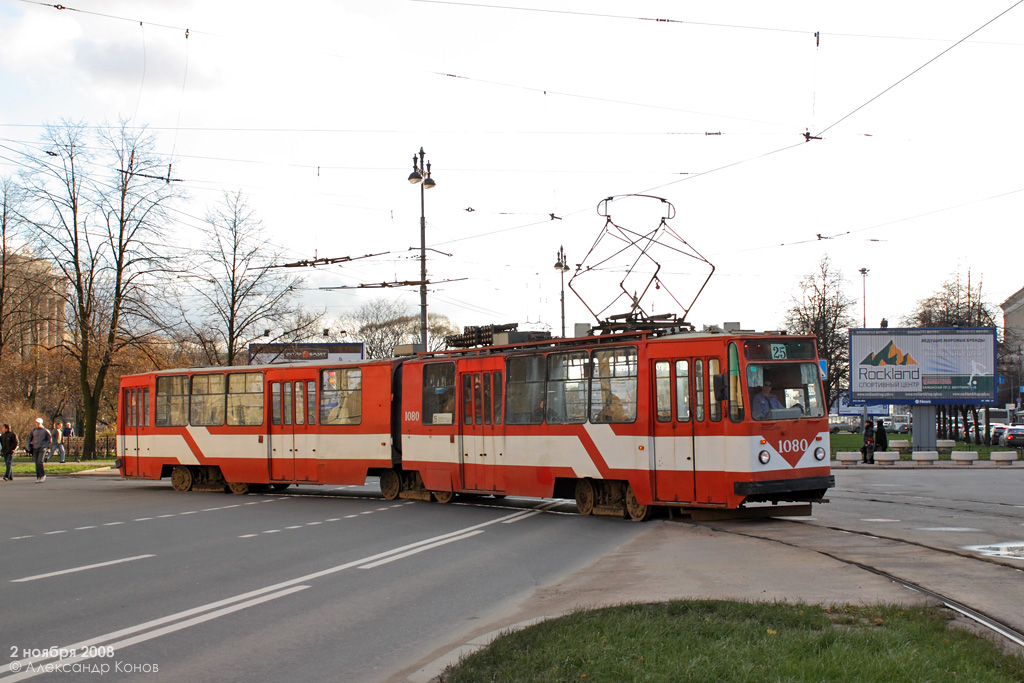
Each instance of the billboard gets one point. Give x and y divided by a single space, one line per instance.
923 366
265 354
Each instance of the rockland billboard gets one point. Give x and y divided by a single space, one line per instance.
923 366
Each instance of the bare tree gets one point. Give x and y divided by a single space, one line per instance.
383 324
99 217
823 309
958 303
243 295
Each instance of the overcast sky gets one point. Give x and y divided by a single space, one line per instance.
527 109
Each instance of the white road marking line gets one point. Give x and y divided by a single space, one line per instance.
350 516
880 520
313 523
18 538
268 592
293 527
333 519
945 528
142 519
249 536
189 512
117 645
113 523
51 533
272 531
81 528
414 551
367 512
80 569
163 516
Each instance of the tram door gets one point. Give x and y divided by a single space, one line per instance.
135 402
673 420
292 430
481 424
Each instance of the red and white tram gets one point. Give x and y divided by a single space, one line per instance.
622 423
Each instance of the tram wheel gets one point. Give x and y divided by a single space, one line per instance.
181 478
585 496
390 484
442 497
279 487
638 512
239 488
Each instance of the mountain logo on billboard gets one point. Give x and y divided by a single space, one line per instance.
889 355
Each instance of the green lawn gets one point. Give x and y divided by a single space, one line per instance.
710 640
24 466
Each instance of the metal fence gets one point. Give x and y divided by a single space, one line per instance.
106 447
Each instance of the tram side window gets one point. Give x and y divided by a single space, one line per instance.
566 401
524 399
245 398
698 390
663 391
497 397
341 396
613 385
311 403
439 393
145 406
172 401
683 390
736 407
715 407
207 404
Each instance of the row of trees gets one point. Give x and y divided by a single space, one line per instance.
90 223
824 309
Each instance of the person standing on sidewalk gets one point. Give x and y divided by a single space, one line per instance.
8 444
39 441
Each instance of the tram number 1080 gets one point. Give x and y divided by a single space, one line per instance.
412 416
793 445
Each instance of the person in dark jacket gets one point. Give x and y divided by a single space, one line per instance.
8 444
881 440
39 441
867 451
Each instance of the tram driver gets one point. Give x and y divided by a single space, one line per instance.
765 401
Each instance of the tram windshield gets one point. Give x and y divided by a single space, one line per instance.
784 391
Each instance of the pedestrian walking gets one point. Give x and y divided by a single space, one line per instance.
8 444
57 442
39 441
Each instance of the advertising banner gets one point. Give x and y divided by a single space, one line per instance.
265 354
923 366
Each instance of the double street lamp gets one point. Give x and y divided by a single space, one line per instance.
421 175
562 267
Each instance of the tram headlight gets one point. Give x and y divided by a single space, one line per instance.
819 453
764 457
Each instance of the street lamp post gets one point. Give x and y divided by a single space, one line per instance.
864 303
561 266
421 175
864 296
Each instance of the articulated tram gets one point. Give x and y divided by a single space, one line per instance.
622 423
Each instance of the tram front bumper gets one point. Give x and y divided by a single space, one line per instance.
781 487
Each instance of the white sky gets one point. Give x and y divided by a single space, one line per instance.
315 110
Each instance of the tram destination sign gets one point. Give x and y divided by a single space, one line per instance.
923 366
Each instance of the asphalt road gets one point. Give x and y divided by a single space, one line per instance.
313 585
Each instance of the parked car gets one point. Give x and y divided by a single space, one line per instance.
840 424
1012 437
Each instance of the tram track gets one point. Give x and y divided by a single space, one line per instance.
1000 619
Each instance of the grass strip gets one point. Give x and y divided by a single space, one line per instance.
711 640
